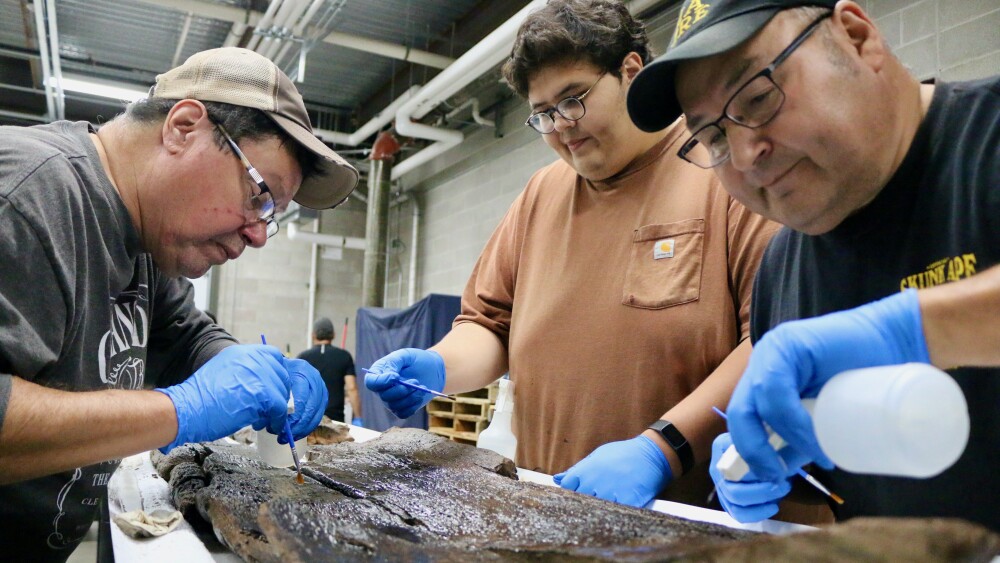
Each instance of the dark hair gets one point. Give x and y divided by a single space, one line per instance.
601 32
241 123
323 329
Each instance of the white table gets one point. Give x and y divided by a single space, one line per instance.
136 485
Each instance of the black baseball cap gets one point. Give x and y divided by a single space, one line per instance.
704 28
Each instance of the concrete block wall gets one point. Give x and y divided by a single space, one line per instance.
946 39
267 290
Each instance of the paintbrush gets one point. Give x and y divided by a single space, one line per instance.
414 386
801 472
288 434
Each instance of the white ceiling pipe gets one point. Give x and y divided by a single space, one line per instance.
390 50
338 241
235 34
181 40
263 23
375 124
299 7
478 60
485 55
300 28
43 50
238 15
24 116
426 155
54 53
474 102
288 7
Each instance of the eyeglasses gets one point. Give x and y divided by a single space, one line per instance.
570 109
754 105
262 203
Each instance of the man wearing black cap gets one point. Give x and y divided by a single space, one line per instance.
98 226
889 190
336 366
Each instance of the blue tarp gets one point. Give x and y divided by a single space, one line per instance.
381 331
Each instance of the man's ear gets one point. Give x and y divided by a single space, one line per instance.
864 38
184 119
631 65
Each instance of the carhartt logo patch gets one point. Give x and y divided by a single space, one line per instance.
663 248
693 12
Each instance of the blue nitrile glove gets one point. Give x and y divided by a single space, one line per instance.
358 421
797 358
630 472
310 394
242 385
750 499
423 367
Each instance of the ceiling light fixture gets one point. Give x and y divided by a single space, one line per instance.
102 89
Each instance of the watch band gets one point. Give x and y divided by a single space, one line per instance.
677 441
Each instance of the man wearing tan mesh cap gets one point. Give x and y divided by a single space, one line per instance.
98 228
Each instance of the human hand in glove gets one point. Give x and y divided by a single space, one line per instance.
423 367
796 359
629 472
245 385
310 395
750 499
358 421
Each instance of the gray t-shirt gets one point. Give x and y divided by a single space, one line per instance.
82 307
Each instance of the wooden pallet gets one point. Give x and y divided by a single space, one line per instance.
464 418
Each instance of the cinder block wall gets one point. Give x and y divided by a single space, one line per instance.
463 194
945 39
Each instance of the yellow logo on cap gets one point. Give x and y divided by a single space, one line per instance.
692 14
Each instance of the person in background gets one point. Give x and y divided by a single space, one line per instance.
102 351
617 288
889 190
336 366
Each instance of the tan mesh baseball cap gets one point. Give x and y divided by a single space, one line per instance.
244 78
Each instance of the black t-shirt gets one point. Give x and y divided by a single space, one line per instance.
333 364
936 221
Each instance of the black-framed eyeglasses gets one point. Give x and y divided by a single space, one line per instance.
754 105
570 109
262 203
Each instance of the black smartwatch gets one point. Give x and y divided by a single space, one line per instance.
677 441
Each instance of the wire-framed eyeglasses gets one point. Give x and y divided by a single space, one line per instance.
754 105
570 109
263 203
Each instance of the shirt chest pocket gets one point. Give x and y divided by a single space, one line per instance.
664 266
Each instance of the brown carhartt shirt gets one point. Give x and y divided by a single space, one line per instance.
615 299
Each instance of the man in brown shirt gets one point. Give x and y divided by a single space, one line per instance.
616 291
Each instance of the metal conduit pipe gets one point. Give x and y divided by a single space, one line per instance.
267 33
411 287
43 50
262 24
338 241
373 275
313 277
181 40
300 28
60 96
283 27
